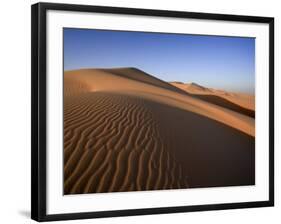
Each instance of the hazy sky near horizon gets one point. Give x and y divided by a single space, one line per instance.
213 61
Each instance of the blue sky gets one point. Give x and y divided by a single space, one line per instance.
213 61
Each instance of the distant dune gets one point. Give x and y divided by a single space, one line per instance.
239 102
125 130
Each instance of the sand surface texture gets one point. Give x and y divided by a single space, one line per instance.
125 130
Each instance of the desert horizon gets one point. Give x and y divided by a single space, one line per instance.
127 130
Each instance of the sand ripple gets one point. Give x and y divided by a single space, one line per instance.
112 143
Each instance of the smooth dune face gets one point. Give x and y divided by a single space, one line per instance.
125 130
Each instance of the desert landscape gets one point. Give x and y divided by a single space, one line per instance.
127 130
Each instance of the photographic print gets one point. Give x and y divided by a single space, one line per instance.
141 111
157 111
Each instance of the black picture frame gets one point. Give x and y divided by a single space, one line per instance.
38 108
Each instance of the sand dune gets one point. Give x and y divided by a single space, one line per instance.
125 130
94 80
240 102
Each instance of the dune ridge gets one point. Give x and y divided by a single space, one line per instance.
125 130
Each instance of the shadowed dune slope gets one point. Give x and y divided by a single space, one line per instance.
139 75
127 134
